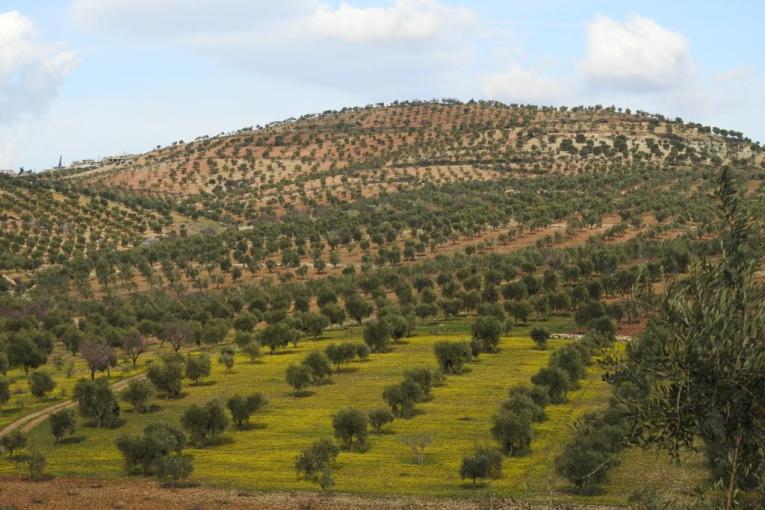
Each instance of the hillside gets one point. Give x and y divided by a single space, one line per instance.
472 274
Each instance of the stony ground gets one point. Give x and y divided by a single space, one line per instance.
76 494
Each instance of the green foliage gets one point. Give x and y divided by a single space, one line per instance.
40 384
146 450
167 378
555 380
540 337
486 330
96 401
198 366
452 356
138 393
485 462
314 464
241 408
349 424
299 377
205 423
378 418
62 423
513 432
13 441
377 335
319 365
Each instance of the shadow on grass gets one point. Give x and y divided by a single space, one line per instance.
253 426
208 382
302 393
71 440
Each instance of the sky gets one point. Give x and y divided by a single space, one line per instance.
91 78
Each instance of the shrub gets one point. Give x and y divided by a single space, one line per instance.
377 335
423 377
341 354
362 351
145 450
174 468
519 403
569 359
252 350
486 331
36 464
402 397
226 358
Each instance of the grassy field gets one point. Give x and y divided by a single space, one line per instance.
459 416
65 372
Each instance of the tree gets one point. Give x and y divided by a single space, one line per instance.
398 325
452 356
582 464
157 441
513 432
174 468
423 377
299 377
178 334
333 313
198 367
318 364
358 309
205 423
5 392
97 402
137 394
13 441
377 335
379 418
167 378
555 380
485 462
277 335
314 464
314 324
350 423
97 355
36 465
569 359
62 423
134 344
242 407
226 358
699 367
487 330
4 364
402 397
40 384
540 337
252 350
340 354
22 350
418 443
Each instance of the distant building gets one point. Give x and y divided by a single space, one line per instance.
85 163
119 159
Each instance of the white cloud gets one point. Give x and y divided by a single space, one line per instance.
404 20
638 55
518 85
31 71
396 46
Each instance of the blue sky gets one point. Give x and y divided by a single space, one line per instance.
89 78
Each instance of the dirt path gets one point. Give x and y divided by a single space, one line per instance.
32 420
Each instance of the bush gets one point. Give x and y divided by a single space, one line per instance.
513 432
62 423
423 377
519 403
452 356
36 463
569 359
226 358
350 423
362 351
402 397
137 394
341 354
582 465
539 394
379 418
252 350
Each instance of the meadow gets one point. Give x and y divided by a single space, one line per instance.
458 416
